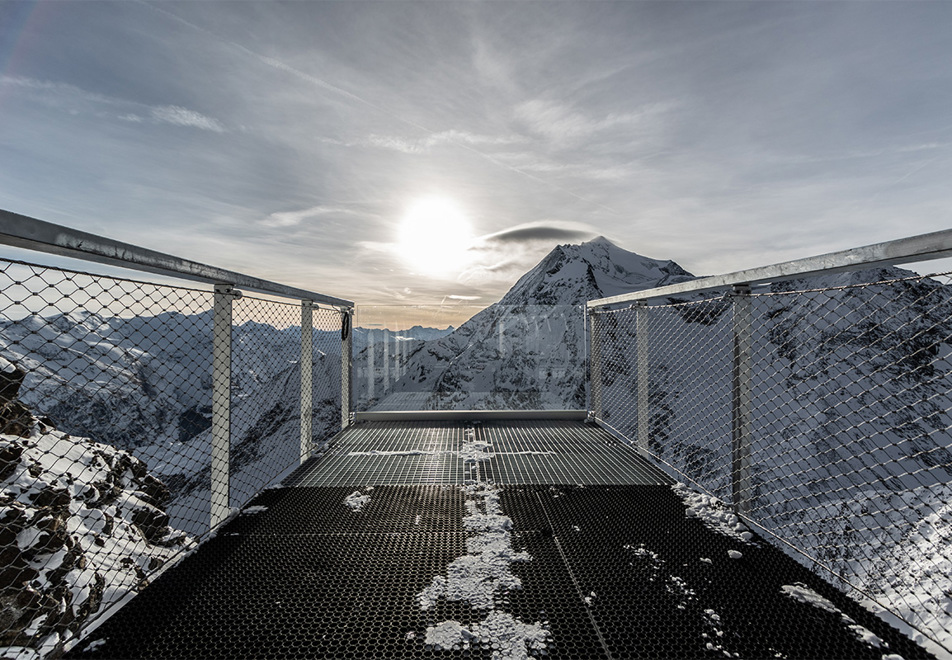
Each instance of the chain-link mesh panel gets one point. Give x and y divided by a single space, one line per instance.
106 425
506 357
658 361
843 452
105 392
266 390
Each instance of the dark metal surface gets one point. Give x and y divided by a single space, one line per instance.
307 577
524 452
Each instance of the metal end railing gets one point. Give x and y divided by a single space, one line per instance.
135 417
816 398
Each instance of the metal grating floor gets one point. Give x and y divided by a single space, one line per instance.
616 572
616 568
524 452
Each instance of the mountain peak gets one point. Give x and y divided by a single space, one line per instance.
575 273
599 241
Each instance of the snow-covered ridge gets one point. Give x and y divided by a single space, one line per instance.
83 524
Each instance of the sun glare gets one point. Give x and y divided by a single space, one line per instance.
434 236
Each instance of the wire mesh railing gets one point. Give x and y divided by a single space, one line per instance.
503 357
818 408
126 409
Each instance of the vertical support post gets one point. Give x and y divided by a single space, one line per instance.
221 401
371 363
307 364
386 361
741 400
595 402
347 365
642 338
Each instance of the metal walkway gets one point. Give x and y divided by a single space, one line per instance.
600 561
523 452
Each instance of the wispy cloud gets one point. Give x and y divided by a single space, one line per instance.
179 116
423 145
560 123
75 100
292 218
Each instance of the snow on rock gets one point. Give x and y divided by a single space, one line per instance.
81 525
804 594
714 513
356 501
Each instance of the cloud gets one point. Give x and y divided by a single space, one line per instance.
464 298
560 123
179 116
541 231
77 100
450 137
500 258
293 218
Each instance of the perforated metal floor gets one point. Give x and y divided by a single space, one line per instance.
524 452
616 572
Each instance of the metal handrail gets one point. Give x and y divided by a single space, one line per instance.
25 232
904 250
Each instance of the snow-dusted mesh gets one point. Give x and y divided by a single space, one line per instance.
849 452
105 433
506 357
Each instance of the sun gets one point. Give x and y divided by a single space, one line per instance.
434 236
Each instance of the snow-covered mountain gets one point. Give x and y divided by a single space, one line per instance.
528 351
144 384
81 525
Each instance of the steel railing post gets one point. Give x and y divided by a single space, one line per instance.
346 365
741 400
307 364
642 338
595 404
221 401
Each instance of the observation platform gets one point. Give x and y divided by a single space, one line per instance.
598 559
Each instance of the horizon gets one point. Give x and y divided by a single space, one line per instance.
409 153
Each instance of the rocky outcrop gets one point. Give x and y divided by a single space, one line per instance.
81 525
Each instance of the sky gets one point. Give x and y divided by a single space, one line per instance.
410 152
